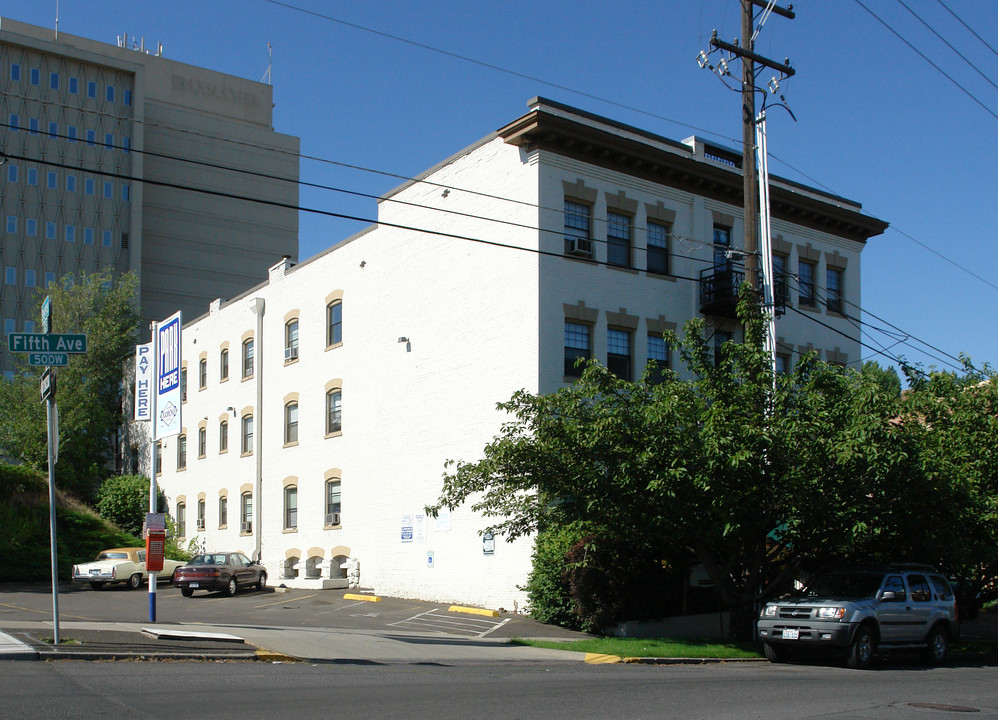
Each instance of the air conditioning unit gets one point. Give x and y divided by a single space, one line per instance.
332 518
583 247
290 353
246 527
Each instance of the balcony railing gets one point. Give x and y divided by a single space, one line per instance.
719 291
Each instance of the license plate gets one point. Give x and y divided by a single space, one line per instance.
791 634
196 585
95 572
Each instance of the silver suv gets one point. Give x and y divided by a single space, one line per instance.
900 606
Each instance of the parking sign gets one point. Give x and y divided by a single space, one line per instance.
168 377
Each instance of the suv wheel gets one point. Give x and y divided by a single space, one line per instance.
938 646
776 653
862 649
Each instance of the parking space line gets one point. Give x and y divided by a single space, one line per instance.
282 602
431 619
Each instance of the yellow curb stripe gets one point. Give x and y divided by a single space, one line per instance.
271 656
598 659
473 611
365 598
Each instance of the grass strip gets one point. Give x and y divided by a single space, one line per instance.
649 647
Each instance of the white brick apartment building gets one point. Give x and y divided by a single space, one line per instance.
322 405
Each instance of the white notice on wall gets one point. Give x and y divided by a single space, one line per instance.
442 523
420 528
407 528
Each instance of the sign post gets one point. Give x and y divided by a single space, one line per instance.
49 350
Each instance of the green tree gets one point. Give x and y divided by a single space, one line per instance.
124 500
751 475
89 388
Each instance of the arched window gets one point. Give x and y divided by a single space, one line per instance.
203 373
223 511
291 423
223 436
201 514
334 323
291 340
248 358
333 505
202 441
334 411
181 519
181 452
247 445
246 513
291 507
223 365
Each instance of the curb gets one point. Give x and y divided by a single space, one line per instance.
271 656
685 661
473 611
365 598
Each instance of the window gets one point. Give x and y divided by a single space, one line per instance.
53 129
74 86
10 276
332 502
50 230
782 364
158 459
334 323
290 507
15 121
108 140
106 238
658 248
52 180
833 280
33 126
223 511
334 411
88 236
658 358
127 97
223 365
618 239
780 294
618 353
29 326
15 71
91 137
895 584
71 131
181 519
181 452
720 337
12 173
183 385
109 93
29 278
223 436
576 347
246 513
291 423
88 186
722 246
202 442
126 143
91 89
201 514
71 183
9 326
70 233
49 279
31 227
32 176
36 76
108 190
805 283
248 358
578 221
247 440
203 373
53 81
291 340
12 223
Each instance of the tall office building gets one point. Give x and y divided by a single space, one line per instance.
116 157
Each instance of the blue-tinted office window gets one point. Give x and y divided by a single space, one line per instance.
88 236
108 190
108 140
91 89
106 238
70 233
15 121
12 223
126 143
50 230
74 86
49 279
54 81
15 71
52 181
29 326
125 193
91 137
31 227
29 281
88 186
71 183
12 173
32 176
36 76
33 126
127 97
71 131
11 276
109 93
53 129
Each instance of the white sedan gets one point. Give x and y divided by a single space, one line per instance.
124 565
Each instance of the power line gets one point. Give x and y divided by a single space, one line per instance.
972 31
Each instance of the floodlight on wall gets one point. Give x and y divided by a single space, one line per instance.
403 339
231 410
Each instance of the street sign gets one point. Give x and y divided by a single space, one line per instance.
47 385
38 342
47 314
48 359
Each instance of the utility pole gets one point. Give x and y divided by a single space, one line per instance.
746 53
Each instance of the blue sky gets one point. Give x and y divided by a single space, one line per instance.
876 122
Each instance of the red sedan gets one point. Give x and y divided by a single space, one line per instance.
225 571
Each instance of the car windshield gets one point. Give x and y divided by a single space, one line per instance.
213 559
844 585
112 556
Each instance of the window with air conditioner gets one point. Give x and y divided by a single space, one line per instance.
291 340
578 224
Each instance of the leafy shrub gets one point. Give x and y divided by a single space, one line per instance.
547 586
124 500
